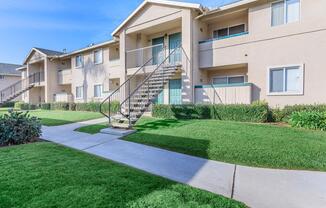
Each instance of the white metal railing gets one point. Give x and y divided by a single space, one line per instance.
138 57
63 97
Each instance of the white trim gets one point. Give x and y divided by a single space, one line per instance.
110 42
102 56
164 2
82 61
284 93
102 92
228 27
82 96
285 13
228 76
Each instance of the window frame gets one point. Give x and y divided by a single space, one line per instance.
228 28
227 79
82 92
285 67
82 61
285 13
101 90
94 52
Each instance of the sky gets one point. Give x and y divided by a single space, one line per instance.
62 24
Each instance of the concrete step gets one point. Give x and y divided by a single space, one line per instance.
118 130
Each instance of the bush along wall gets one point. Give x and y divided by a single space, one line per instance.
18 128
315 120
258 112
92 106
284 114
25 106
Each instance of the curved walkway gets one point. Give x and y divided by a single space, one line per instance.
257 187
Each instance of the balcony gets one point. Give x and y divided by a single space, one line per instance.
64 77
229 50
63 97
37 79
224 94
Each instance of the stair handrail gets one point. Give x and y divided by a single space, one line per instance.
13 86
150 75
116 90
146 79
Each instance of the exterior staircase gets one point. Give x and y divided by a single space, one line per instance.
15 90
139 99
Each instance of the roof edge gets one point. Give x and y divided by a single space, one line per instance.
163 2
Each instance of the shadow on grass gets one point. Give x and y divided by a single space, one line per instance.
82 180
54 122
158 124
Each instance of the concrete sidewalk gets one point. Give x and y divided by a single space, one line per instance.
258 188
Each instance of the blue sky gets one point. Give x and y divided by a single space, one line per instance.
62 24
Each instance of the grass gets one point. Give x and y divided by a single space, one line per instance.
92 129
46 175
57 118
259 145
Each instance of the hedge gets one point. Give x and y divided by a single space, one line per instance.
8 105
246 113
315 120
285 113
92 106
25 106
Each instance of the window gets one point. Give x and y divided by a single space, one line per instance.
228 80
287 80
98 56
2 77
80 92
285 11
225 32
79 61
98 91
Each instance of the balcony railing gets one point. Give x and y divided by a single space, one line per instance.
36 78
224 37
64 76
63 97
224 94
138 57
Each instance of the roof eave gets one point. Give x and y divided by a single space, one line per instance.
170 3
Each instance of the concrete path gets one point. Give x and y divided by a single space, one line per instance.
258 188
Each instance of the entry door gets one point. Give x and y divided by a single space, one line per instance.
175 43
175 91
160 98
157 51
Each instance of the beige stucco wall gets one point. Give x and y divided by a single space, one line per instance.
95 74
8 80
300 43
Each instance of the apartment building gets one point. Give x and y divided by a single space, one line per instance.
9 76
238 53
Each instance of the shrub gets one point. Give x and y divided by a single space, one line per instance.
258 112
95 106
309 120
25 106
8 105
18 128
60 106
287 111
46 106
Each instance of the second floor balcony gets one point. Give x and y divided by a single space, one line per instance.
64 76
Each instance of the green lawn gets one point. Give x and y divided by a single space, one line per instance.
92 129
56 118
47 175
260 145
